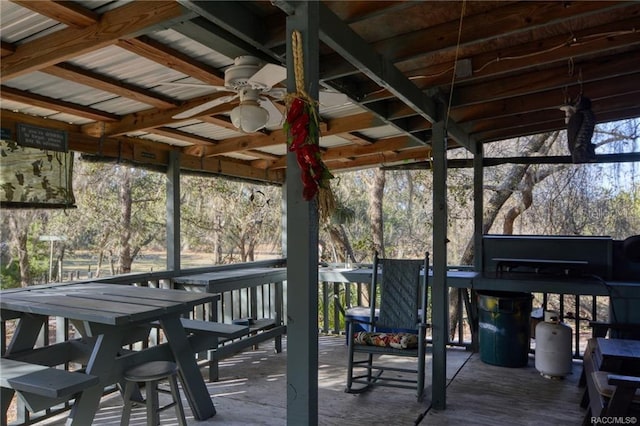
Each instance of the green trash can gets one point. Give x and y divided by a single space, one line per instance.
505 330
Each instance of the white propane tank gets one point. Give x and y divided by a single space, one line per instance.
553 348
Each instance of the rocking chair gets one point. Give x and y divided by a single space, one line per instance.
397 328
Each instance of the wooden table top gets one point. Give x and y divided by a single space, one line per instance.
111 304
624 349
233 279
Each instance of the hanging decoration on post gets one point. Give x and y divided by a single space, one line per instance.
580 127
302 127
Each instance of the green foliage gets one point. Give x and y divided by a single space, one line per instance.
10 275
231 221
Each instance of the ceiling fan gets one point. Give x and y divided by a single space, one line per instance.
252 82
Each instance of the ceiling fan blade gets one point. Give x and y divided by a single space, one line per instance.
203 107
276 118
277 93
332 98
200 85
268 76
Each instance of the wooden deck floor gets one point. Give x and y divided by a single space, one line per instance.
253 392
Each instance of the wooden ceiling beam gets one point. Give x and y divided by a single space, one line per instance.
221 121
353 48
353 12
147 119
123 22
601 108
142 151
536 128
381 158
79 75
549 99
182 136
261 155
587 42
354 122
542 80
226 167
509 20
392 144
576 44
333 126
357 138
66 12
6 48
172 58
29 98
246 142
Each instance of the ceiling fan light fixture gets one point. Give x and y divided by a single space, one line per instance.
249 117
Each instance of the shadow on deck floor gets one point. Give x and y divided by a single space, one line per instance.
252 391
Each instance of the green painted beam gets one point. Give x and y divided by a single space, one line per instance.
173 212
302 242
439 290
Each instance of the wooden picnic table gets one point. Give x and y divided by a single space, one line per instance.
107 315
248 279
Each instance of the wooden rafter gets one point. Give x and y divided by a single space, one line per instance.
141 150
548 52
6 48
56 105
146 119
171 58
65 12
181 136
79 75
539 80
65 44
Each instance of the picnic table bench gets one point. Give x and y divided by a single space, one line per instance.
37 384
225 339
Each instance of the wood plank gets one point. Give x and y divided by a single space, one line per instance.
71 42
219 282
66 12
6 48
182 136
103 303
227 331
32 307
41 380
79 75
482 394
172 58
9 93
66 304
146 119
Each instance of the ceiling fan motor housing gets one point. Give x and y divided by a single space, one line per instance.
238 75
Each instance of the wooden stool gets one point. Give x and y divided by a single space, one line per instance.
151 373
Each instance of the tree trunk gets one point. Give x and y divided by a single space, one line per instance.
125 257
99 267
510 184
19 236
375 211
507 188
514 212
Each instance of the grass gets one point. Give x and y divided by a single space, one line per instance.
84 263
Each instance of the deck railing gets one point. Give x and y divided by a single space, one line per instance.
334 299
575 310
